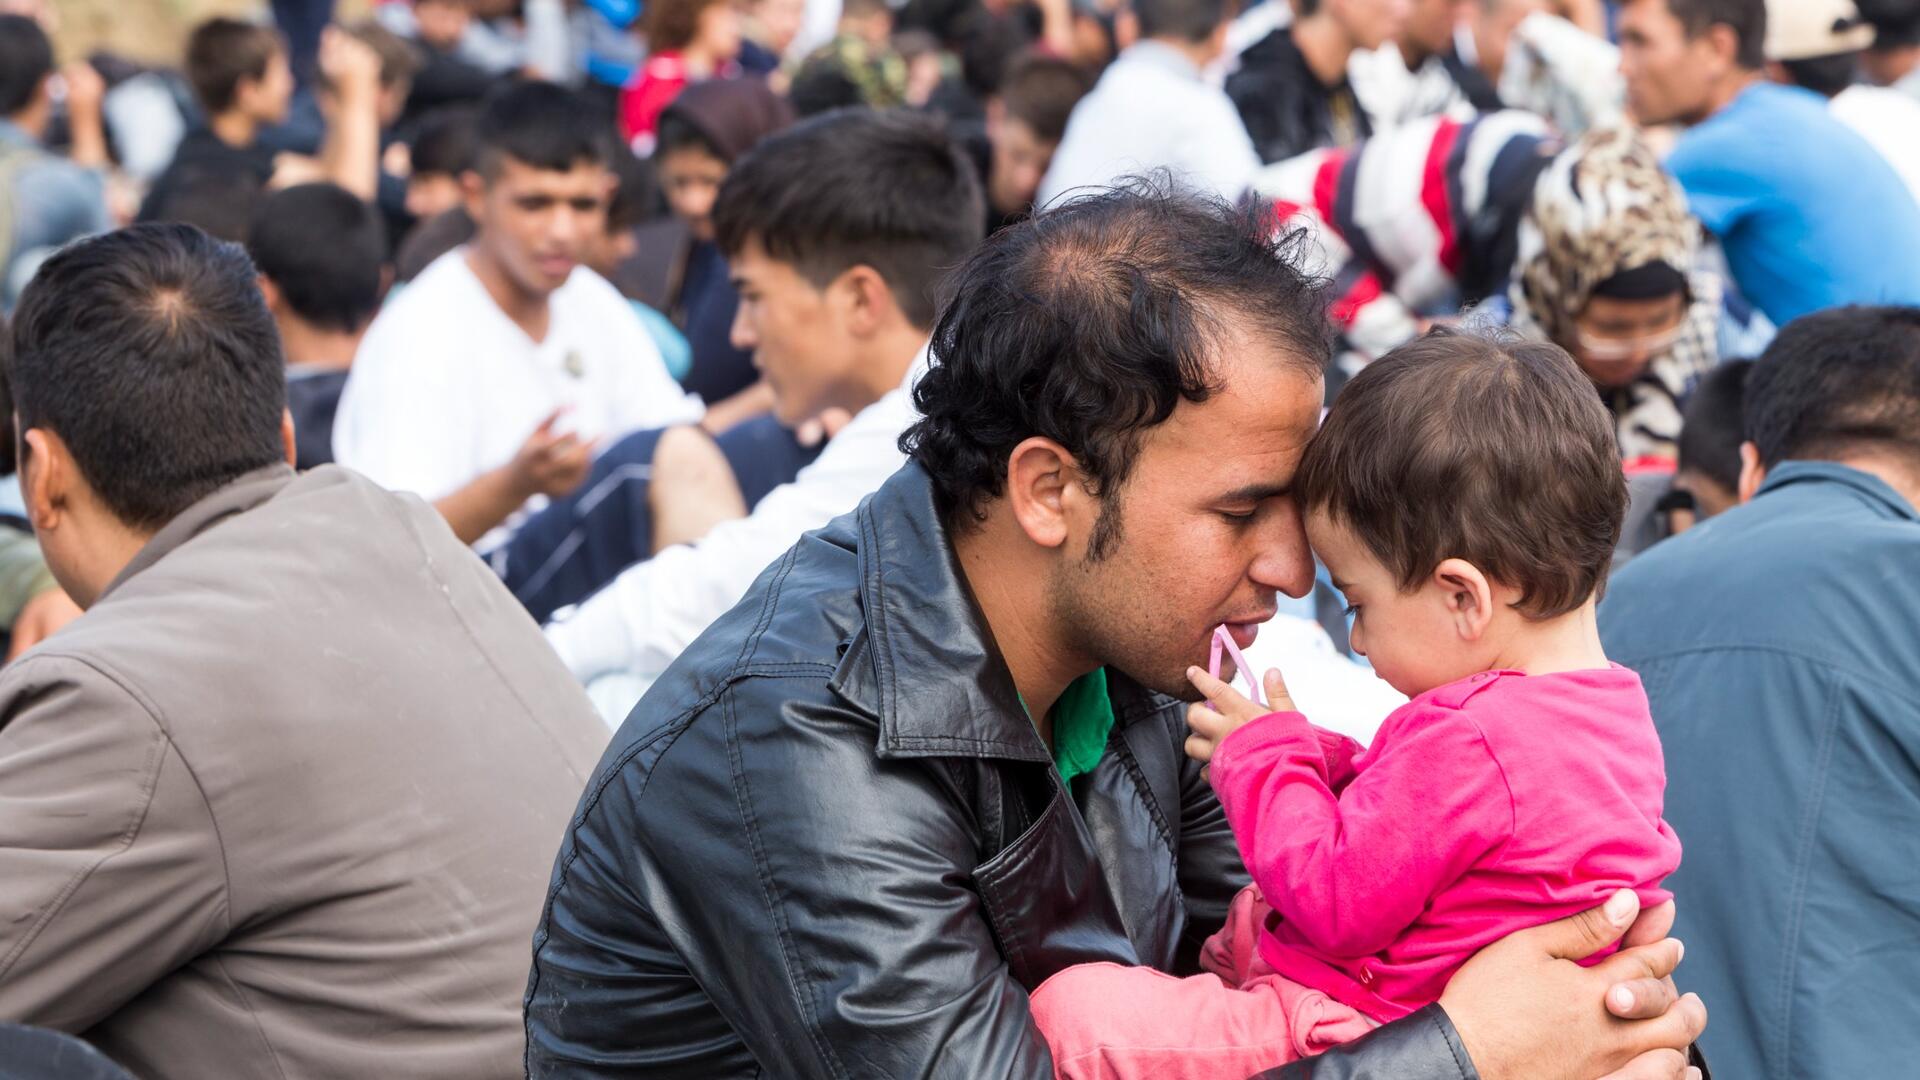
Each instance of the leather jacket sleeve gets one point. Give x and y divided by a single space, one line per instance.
1423 1046
1211 873
817 893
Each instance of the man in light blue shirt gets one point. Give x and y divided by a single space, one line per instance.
1156 108
1809 214
45 200
1780 647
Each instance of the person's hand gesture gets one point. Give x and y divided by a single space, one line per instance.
85 88
1226 711
550 463
350 66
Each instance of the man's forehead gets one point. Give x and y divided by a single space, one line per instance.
1251 429
582 175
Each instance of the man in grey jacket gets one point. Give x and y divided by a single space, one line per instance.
282 802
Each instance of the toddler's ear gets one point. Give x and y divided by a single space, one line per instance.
1468 597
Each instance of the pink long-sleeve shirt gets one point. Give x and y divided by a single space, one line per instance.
1485 806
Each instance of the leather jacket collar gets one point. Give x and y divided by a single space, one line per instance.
925 666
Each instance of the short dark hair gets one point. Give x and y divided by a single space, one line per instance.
1185 20
677 131
673 24
1480 447
323 249
26 59
1041 91
150 353
542 125
857 187
1715 424
1824 75
448 141
1746 18
221 52
1089 323
1838 382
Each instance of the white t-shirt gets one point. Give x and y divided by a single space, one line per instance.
1888 119
445 386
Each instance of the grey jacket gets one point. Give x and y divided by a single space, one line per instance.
282 803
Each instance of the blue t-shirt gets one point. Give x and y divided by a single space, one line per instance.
1810 215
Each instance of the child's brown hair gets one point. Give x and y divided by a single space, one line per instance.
1480 447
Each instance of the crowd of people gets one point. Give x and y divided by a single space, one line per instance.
1077 538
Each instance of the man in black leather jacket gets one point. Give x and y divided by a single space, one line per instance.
931 759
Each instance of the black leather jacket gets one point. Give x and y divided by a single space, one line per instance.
829 843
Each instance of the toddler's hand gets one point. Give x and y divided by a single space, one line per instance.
1226 711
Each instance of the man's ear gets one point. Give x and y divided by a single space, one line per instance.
45 469
1724 45
473 192
286 437
1752 472
269 292
869 301
1468 596
1042 480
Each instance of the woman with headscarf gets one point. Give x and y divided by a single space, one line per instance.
1605 269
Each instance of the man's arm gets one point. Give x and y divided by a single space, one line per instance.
111 875
642 621
819 894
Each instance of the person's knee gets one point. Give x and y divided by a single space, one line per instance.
693 488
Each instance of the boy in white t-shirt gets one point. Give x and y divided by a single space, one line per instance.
490 380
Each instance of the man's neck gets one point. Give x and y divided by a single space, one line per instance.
883 366
1010 588
234 128
1198 53
1326 46
1897 474
308 345
111 548
529 311
33 119
1727 91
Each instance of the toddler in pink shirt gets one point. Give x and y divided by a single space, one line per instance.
1466 496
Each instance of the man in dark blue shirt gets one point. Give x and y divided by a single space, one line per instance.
1780 646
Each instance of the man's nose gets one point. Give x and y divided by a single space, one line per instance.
1284 561
741 332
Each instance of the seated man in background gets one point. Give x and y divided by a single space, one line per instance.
321 256
1780 645
282 801
509 335
838 232
45 199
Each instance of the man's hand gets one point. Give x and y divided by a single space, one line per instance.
350 66
86 90
1524 1009
550 464
1226 711
38 620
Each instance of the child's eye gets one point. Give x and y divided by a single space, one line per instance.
1352 610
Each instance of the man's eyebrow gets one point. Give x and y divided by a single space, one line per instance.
1256 493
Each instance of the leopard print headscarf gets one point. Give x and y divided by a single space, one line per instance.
1604 206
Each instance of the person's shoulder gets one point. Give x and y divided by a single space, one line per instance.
588 296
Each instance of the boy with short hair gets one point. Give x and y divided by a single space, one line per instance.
320 253
509 335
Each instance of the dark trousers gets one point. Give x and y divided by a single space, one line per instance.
578 544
